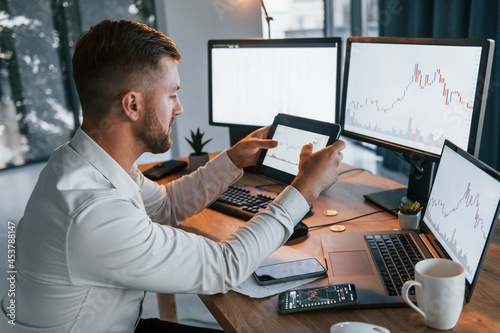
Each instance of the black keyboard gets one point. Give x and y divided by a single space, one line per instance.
244 202
395 257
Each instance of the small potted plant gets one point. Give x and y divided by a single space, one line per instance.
409 214
198 158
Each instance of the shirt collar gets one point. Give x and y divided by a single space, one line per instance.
105 164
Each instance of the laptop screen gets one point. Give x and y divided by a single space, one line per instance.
462 208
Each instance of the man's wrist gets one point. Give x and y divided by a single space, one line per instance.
231 154
306 190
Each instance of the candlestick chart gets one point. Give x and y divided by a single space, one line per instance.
461 209
441 216
414 103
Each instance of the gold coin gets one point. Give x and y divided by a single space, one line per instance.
337 228
330 212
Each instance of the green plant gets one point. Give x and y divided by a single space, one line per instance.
410 207
196 141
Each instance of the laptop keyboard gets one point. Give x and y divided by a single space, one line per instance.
395 257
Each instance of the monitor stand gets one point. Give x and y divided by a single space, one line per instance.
419 185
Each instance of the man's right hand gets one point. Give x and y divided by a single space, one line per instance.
318 171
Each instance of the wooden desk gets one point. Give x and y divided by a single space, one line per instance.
239 313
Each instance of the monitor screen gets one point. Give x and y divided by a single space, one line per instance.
412 94
252 80
463 205
409 95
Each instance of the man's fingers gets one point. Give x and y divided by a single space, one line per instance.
307 149
266 144
261 132
263 143
271 143
334 148
339 144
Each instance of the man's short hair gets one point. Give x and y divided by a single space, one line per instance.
114 56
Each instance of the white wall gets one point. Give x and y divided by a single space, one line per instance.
190 24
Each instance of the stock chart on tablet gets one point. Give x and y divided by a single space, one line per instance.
286 155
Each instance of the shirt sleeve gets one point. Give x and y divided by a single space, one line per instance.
176 201
112 243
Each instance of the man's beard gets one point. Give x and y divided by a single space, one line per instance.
152 134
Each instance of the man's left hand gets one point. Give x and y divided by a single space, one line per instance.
245 152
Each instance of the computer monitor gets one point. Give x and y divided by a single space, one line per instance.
252 80
409 95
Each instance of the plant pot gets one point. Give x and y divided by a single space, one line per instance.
408 221
197 160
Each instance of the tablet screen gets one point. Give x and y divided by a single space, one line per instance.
286 155
292 133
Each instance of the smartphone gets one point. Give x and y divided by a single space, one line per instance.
317 298
164 169
288 271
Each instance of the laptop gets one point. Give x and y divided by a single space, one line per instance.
458 224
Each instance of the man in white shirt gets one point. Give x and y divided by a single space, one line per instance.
96 234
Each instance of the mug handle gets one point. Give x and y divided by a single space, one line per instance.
404 294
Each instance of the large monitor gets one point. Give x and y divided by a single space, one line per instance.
252 80
409 95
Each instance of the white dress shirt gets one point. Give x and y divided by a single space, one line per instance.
94 238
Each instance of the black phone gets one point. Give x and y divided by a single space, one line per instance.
288 271
317 298
164 169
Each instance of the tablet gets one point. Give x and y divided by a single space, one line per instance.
293 133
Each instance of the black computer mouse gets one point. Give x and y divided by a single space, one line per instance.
300 230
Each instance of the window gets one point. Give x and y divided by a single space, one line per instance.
295 18
320 18
39 107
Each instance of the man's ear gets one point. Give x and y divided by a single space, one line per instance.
133 104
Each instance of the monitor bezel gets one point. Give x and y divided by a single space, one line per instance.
262 43
481 90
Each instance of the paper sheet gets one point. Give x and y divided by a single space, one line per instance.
284 254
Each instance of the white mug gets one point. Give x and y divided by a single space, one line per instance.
439 290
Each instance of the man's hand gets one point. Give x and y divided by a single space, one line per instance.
318 171
245 152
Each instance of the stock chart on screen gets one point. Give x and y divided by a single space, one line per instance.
413 95
460 210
